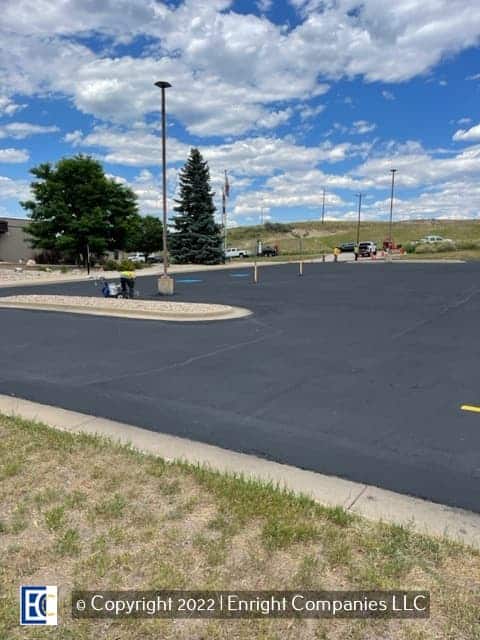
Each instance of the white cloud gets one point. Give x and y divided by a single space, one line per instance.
388 95
256 156
274 119
237 75
21 130
418 168
230 70
468 135
306 111
8 107
74 137
14 155
10 188
362 126
264 5
385 41
129 148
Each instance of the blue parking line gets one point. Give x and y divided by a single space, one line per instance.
239 275
189 280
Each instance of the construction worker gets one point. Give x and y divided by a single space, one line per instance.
127 283
336 253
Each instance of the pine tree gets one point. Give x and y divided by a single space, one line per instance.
196 237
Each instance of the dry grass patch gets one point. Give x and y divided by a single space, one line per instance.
81 512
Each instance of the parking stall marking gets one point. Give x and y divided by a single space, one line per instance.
470 407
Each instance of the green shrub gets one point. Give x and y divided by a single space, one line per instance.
410 247
468 244
442 247
111 265
128 265
278 227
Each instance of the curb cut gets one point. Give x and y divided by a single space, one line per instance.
364 500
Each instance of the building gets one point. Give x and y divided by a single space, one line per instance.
14 245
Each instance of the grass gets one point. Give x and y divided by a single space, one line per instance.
324 237
79 511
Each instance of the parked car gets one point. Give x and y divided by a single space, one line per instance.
347 247
233 252
368 248
434 240
268 251
154 259
136 257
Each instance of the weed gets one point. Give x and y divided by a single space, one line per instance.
69 543
112 507
55 518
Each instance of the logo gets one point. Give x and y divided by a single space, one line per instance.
38 605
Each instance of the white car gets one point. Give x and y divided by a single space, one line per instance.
434 240
233 252
136 257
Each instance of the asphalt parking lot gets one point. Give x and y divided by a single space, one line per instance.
352 370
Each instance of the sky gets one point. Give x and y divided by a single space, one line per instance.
291 97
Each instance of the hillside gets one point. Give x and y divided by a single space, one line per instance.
324 237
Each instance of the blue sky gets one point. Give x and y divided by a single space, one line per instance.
290 97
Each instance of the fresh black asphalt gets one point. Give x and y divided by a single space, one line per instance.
352 370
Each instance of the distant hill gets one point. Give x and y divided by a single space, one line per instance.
324 237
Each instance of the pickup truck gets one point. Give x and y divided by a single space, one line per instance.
233 252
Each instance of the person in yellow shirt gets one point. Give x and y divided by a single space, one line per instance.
127 283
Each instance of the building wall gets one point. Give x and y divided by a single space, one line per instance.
13 244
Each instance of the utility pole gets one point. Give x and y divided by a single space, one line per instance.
323 206
393 171
359 195
224 220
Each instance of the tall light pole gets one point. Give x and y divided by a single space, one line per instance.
165 284
323 207
359 195
392 171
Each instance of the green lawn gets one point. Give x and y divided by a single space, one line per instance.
80 512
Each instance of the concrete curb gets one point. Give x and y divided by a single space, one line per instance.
228 313
194 268
173 270
368 501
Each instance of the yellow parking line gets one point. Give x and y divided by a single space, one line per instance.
470 407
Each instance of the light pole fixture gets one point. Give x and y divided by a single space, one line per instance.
165 283
392 171
359 196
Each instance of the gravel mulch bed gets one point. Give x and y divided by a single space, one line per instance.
154 308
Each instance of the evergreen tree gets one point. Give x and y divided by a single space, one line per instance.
196 237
